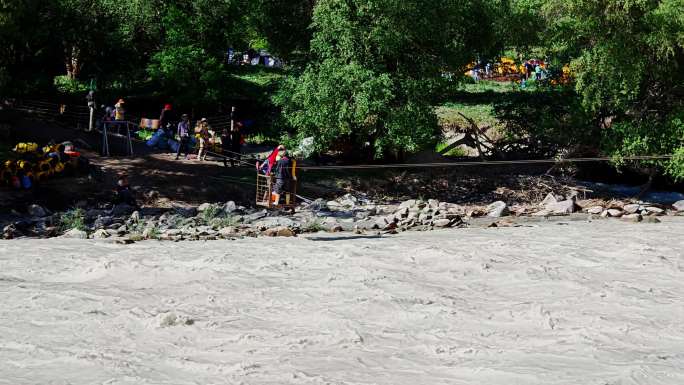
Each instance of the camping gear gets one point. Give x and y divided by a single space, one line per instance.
23 148
26 182
173 145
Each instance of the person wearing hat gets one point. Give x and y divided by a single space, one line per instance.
119 110
202 131
183 135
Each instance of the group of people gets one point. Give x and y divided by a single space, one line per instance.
180 128
529 69
534 68
230 138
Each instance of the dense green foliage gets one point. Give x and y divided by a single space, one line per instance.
628 57
364 76
178 45
376 71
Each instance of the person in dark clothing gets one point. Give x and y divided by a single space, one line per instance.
528 70
123 193
183 136
225 141
283 175
236 144
167 119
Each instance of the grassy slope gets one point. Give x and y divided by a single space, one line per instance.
477 101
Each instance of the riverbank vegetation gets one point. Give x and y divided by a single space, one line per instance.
375 78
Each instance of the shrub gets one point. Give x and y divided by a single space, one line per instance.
73 219
314 226
224 221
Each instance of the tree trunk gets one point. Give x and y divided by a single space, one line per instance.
72 62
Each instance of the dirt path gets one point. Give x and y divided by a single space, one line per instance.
581 303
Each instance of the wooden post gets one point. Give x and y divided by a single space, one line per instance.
232 119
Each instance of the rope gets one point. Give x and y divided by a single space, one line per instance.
232 159
238 181
479 163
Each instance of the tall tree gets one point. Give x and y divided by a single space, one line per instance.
195 37
376 69
284 24
628 57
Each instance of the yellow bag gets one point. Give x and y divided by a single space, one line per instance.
23 148
23 165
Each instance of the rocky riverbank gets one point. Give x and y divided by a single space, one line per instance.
348 213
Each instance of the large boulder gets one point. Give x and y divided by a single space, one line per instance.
403 212
368 224
652 210
135 216
348 201
37 211
497 209
10 231
101 234
632 208
122 210
230 207
102 222
317 205
255 216
614 213
562 207
279 232
185 211
442 223
274 222
204 207
75 234
228 232
679 206
550 199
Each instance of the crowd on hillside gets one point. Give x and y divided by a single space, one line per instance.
523 72
253 57
530 69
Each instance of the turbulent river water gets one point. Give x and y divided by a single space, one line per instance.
576 303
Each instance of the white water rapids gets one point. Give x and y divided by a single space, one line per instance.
583 303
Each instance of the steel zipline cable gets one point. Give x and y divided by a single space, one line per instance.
456 164
482 163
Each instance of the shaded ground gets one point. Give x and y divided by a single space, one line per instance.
582 303
190 182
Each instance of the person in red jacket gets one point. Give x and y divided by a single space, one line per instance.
267 165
